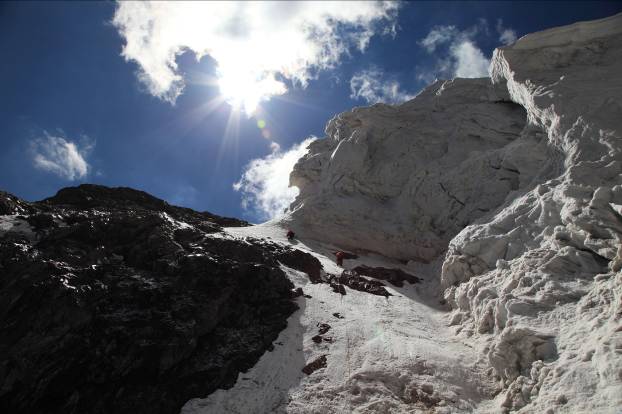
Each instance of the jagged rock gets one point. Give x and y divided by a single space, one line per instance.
9 204
114 301
302 261
396 277
323 328
337 287
355 281
318 339
314 365
89 196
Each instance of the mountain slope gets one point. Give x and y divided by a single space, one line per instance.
383 354
500 199
112 300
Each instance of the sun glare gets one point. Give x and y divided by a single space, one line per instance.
244 89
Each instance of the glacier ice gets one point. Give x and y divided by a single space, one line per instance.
516 185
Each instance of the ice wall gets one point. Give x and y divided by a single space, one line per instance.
403 180
518 184
541 279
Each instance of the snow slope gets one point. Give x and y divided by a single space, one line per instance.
391 354
506 198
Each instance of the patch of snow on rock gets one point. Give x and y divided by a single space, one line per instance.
16 224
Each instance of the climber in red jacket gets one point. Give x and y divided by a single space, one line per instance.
290 235
340 256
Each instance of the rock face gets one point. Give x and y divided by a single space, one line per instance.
519 183
114 301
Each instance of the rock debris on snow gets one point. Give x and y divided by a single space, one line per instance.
396 277
314 365
353 280
323 328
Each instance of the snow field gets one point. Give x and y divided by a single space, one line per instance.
391 354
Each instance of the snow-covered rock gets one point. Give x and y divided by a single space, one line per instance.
403 180
542 276
520 182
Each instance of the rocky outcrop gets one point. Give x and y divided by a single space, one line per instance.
314 365
9 204
396 277
355 281
112 300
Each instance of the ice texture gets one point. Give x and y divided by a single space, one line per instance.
517 183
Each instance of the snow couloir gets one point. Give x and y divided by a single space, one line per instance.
517 183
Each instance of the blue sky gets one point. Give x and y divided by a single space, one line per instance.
74 110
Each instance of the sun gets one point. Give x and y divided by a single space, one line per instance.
240 91
244 89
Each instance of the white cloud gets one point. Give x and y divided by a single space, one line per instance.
252 41
61 156
458 53
438 36
265 182
470 61
369 85
507 36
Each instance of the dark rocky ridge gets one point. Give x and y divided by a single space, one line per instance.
114 306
